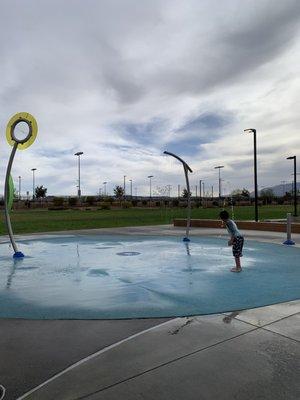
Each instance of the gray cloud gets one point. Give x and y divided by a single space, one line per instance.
124 79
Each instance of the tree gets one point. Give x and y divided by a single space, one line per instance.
245 193
185 194
236 194
40 192
267 195
90 200
119 192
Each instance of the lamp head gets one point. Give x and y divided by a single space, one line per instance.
250 130
79 153
291 158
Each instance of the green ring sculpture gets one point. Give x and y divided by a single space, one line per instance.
21 144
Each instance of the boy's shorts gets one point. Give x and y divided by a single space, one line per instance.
237 247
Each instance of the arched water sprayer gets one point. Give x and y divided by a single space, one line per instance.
186 169
21 132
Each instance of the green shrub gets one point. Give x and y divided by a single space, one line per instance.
72 201
58 201
144 202
175 203
134 203
126 204
90 200
105 206
109 200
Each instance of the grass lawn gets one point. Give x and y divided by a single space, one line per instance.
30 221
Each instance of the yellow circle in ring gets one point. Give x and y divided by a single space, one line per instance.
26 117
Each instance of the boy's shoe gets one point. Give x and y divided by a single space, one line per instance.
234 269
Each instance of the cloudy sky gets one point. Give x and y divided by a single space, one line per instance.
124 80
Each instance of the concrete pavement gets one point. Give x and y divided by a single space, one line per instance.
252 354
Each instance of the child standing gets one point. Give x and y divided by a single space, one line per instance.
236 240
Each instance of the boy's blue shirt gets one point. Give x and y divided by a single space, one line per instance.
232 228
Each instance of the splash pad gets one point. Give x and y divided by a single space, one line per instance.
114 276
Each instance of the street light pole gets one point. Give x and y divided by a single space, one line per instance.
169 190
150 176
33 182
219 168
20 187
104 183
200 189
78 154
295 183
130 180
124 185
255 171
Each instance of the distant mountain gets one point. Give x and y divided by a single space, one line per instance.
279 190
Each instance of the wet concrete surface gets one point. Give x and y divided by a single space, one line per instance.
32 351
252 354
205 357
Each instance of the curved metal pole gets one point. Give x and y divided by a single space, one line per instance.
178 158
186 170
6 198
188 221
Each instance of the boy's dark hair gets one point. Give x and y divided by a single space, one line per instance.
224 214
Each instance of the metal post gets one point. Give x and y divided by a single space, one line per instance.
20 187
130 180
188 222
186 169
196 191
178 191
289 240
79 188
124 187
255 172
6 199
78 154
220 190
169 190
255 176
295 183
295 187
33 182
150 176
219 183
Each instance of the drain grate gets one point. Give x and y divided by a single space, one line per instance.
128 253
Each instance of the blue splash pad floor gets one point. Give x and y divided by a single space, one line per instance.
109 277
